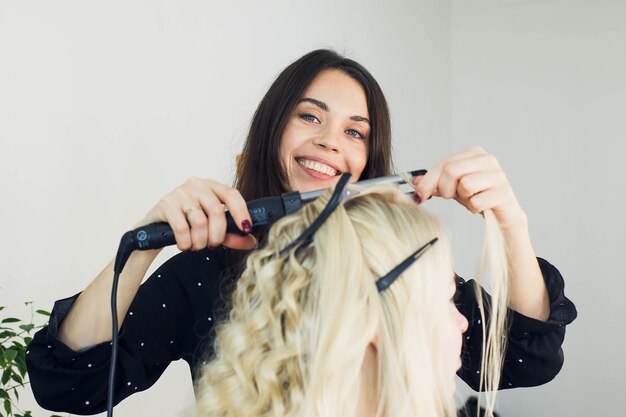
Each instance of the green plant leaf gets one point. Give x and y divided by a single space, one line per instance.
20 361
6 375
10 354
15 377
7 333
27 327
15 335
17 345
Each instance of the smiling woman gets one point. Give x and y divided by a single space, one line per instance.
324 109
327 133
323 115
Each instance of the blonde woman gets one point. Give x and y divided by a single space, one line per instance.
349 310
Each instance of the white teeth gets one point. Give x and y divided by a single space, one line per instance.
316 166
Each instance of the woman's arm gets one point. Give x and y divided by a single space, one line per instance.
475 179
168 320
534 355
527 289
195 211
89 319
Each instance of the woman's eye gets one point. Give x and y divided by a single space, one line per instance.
309 118
354 133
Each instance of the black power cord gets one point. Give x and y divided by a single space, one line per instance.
116 277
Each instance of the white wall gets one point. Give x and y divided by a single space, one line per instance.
106 106
542 84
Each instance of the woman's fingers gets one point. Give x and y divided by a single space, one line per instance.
476 180
442 179
454 172
236 205
486 199
196 212
199 226
178 222
213 198
502 201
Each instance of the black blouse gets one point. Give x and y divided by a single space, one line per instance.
173 314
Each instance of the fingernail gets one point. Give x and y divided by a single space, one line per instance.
212 247
417 198
246 227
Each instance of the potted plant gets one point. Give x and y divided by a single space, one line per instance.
15 335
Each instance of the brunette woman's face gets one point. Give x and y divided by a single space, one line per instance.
326 134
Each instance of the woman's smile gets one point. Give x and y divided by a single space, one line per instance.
327 133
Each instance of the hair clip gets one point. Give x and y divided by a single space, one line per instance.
383 283
340 194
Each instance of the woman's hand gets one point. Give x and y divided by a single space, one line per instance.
195 211
475 179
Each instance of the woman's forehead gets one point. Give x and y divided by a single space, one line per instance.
339 91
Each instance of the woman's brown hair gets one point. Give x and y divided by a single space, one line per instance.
259 171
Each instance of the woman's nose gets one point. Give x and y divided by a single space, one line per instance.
328 140
328 146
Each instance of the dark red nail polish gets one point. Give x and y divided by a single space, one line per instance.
212 247
246 227
417 198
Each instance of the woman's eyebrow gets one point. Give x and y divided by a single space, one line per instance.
324 107
361 119
318 103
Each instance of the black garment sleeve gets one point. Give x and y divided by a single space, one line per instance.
534 355
168 320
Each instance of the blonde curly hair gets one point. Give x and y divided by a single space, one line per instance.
301 322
